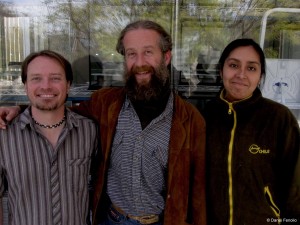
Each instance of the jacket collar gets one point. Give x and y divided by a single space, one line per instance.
256 96
178 134
180 116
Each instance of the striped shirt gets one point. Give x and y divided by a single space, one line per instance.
27 160
138 164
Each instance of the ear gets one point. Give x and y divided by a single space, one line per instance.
221 74
68 87
25 88
168 56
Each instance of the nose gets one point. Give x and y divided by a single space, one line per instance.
140 60
241 73
45 83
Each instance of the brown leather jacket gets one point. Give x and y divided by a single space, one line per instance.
185 201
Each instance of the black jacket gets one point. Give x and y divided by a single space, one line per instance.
252 152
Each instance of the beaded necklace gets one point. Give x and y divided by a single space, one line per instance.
51 126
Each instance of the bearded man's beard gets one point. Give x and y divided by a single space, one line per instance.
158 85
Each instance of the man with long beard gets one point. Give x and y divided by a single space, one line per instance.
153 143
152 170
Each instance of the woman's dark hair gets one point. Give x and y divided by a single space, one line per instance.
240 43
165 38
50 54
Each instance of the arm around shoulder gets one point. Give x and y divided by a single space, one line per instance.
7 114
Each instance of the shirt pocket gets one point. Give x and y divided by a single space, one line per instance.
160 155
78 173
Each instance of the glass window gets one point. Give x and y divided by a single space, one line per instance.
280 39
86 32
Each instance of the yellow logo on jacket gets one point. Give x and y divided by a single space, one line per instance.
255 149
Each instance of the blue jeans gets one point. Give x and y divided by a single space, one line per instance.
115 218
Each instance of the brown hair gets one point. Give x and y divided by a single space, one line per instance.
51 54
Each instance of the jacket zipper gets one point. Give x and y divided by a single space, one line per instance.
230 108
273 206
230 150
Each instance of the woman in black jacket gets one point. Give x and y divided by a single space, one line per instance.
252 146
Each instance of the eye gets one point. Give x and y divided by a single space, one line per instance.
56 78
251 68
130 54
35 78
233 65
148 52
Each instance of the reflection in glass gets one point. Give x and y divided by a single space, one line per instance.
86 32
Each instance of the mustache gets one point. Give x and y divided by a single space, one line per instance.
141 69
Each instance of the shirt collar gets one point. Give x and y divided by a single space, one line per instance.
168 109
25 119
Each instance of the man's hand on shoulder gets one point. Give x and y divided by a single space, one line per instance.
7 114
